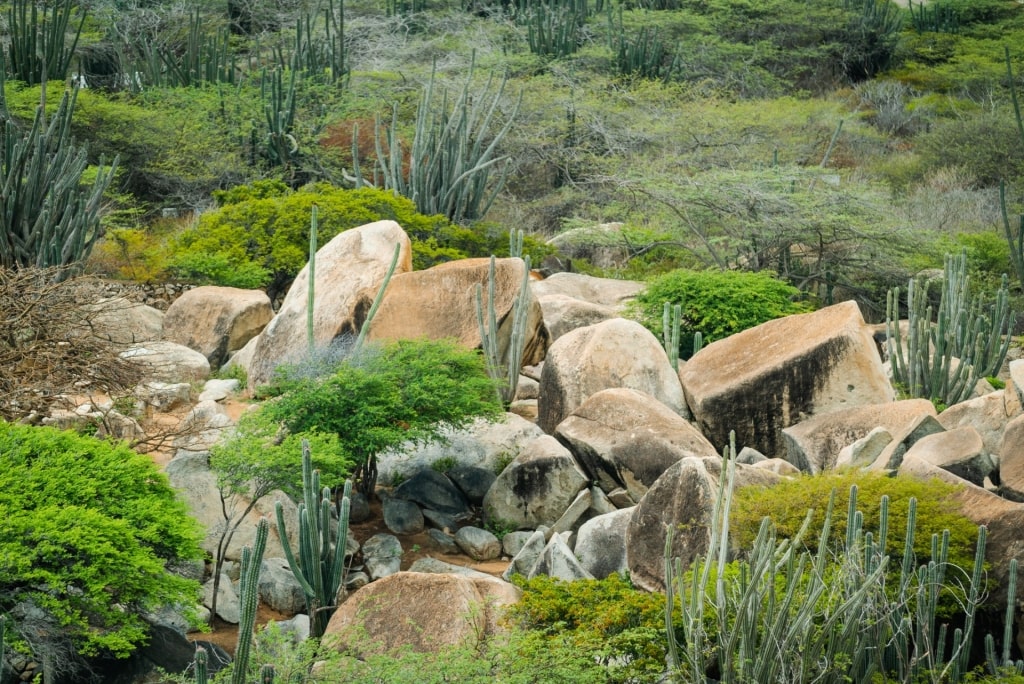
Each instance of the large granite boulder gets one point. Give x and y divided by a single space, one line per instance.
615 353
574 300
164 361
626 439
123 321
988 414
814 444
959 451
537 486
764 379
425 612
683 498
349 271
440 303
1011 460
601 543
217 321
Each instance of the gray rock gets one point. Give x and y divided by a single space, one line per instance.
168 362
402 517
359 507
382 555
779 466
748 456
536 488
864 451
296 630
557 560
278 587
123 321
229 608
439 567
164 396
355 580
601 543
600 503
513 542
219 389
573 514
473 481
527 388
527 556
433 490
477 543
445 542
443 521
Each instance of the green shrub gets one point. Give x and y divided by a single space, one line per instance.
985 145
619 625
90 529
715 303
787 503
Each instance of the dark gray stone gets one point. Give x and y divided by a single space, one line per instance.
478 543
472 481
433 490
402 517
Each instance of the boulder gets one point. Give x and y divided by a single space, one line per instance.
484 444
813 445
478 543
564 314
537 487
573 514
278 587
168 362
1017 379
513 542
779 466
349 271
1011 460
615 353
624 438
892 454
601 291
440 303
125 322
433 490
865 450
439 567
762 380
557 560
683 498
527 555
959 451
402 517
164 396
229 608
987 414
219 389
445 542
205 425
217 321
423 612
601 543
473 481
382 555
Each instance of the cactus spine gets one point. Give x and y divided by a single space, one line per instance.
249 599
321 563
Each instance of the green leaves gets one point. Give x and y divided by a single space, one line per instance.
89 528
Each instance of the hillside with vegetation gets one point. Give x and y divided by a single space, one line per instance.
751 159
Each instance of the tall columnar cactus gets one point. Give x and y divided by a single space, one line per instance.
38 49
795 615
249 600
311 273
320 566
671 317
1014 238
200 663
968 339
504 370
49 218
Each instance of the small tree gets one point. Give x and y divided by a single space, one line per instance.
403 391
259 459
89 532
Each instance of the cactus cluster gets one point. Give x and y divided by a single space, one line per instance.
38 50
205 58
945 355
504 370
820 615
320 566
1014 238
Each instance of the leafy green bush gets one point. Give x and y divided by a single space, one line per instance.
259 236
715 303
89 531
622 627
403 391
985 145
787 503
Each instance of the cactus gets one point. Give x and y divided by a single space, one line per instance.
267 673
38 49
934 18
249 600
200 663
49 219
448 167
998 664
279 145
505 371
791 618
310 293
321 563
204 58
965 329
1015 239
670 321
554 30
644 55
365 328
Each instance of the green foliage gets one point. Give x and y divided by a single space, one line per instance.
89 531
787 505
403 391
38 49
715 303
619 625
985 145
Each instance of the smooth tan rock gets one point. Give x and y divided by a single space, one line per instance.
123 321
615 353
426 612
626 439
865 450
682 498
959 451
599 291
168 362
1011 459
813 445
217 321
780 373
440 302
987 414
892 455
349 271
564 314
